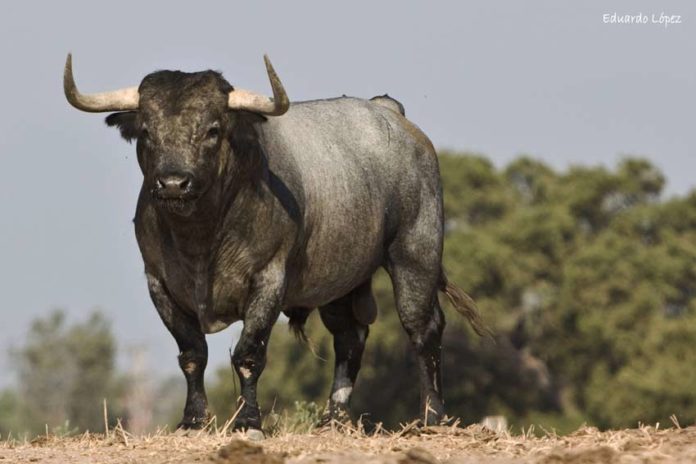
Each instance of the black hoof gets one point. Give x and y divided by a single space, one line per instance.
435 421
247 423
193 423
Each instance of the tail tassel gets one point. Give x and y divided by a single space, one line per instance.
465 306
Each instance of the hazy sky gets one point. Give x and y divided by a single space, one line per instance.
546 78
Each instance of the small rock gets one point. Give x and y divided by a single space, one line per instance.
255 435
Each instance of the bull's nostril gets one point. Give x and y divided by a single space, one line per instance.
173 185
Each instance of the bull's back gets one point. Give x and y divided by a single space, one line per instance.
361 167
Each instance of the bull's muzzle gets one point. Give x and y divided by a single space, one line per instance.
174 186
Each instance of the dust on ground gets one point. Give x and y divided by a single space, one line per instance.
432 445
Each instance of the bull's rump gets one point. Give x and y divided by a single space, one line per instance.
362 169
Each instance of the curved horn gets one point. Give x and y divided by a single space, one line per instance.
117 100
240 99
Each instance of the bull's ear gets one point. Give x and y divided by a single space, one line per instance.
126 123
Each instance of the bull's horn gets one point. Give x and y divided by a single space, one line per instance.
240 99
117 100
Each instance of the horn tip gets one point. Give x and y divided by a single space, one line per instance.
68 81
267 61
67 72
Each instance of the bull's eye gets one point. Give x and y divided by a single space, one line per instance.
213 132
144 135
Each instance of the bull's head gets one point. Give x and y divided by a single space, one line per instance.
182 123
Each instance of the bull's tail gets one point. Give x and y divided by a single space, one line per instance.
464 305
297 317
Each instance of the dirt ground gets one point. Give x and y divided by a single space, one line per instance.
433 445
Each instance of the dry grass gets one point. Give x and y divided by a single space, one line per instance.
343 444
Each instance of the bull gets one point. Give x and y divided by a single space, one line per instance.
252 206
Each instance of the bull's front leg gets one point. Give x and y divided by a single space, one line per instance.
193 353
249 357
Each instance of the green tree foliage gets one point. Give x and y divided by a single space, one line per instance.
588 279
10 413
64 373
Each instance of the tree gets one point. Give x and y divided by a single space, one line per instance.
65 372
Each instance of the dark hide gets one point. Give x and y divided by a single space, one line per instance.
241 217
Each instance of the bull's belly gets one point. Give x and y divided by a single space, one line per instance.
334 270
315 291
325 278
314 288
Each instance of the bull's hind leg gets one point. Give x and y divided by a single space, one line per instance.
415 293
414 263
347 319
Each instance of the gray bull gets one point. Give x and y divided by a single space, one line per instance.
251 206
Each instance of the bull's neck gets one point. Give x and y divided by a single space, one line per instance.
193 240
222 214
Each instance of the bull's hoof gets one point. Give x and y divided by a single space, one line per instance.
444 421
242 424
193 423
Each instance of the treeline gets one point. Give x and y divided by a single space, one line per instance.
68 382
587 276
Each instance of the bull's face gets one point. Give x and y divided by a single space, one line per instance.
182 124
181 132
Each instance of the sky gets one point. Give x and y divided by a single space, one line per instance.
550 79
